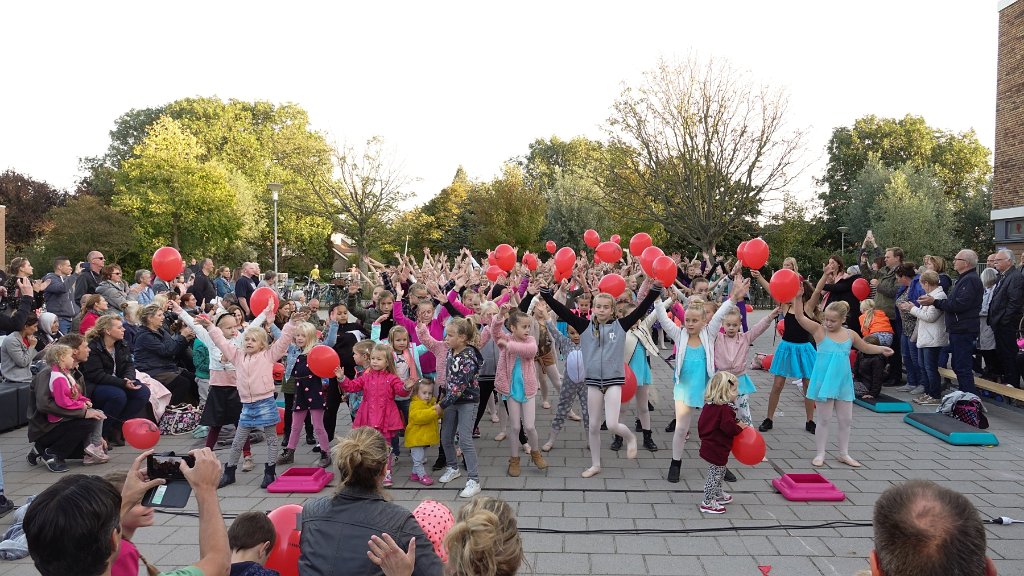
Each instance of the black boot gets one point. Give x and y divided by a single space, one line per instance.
811 426
228 477
671 427
673 471
269 475
649 442
617 443
729 476
637 426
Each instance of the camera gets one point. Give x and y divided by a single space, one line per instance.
167 466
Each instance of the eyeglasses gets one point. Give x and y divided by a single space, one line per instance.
960 259
115 273
99 258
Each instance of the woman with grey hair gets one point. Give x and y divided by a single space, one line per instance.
985 350
143 286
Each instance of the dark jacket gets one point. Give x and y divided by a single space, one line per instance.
869 369
251 569
203 288
13 322
963 306
335 531
157 350
86 284
59 295
717 427
41 403
1007 305
101 368
842 291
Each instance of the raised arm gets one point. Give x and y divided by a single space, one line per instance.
628 320
806 323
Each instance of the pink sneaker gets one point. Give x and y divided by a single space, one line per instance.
725 498
426 480
97 453
387 479
713 508
414 477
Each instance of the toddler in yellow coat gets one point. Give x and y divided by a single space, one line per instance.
422 430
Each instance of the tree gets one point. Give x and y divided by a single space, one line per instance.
551 158
85 223
912 213
696 148
363 199
573 204
506 210
796 231
446 223
173 197
29 203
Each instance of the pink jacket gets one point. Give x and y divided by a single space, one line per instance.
731 353
378 410
60 387
525 350
254 373
427 362
440 351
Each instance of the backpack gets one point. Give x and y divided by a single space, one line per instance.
970 412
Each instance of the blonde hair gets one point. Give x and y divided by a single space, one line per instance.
363 347
54 352
389 357
602 295
131 312
867 306
841 308
464 327
485 540
102 326
361 455
396 330
150 310
791 260
259 335
720 388
931 277
488 306
309 332
697 303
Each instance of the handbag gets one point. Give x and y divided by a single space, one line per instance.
180 419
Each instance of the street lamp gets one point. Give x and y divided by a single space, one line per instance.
275 189
842 238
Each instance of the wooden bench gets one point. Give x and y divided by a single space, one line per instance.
993 387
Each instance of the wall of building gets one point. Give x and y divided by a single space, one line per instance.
1008 169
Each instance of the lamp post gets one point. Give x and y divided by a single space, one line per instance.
275 189
842 238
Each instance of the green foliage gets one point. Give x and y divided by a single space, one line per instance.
912 213
548 159
85 223
507 210
796 231
573 206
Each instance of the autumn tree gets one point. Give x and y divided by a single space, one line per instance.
85 223
506 210
696 147
29 203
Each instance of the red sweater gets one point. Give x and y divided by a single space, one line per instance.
717 426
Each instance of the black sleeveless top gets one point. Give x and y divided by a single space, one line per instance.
793 332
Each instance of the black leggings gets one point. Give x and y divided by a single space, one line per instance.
331 411
486 389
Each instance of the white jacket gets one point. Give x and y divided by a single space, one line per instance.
931 327
641 335
708 334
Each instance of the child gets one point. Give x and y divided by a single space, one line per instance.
254 366
572 383
489 351
379 385
422 432
407 363
139 516
731 351
516 381
640 343
462 362
310 397
68 394
832 381
695 363
931 338
201 363
603 340
251 537
874 321
717 427
361 356
868 372
547 370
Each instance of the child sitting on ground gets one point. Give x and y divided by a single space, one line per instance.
868 372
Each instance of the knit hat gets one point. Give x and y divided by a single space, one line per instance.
436 520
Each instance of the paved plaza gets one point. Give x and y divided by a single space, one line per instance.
649 516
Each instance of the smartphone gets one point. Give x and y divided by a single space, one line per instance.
167 466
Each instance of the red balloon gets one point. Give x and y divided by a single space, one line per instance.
755 254
494 272
629 388
559 275
784 284
616 238
278 371
609 252
749 308
565 259
740 249
766 362
284 557
530 261
551 246
505 257
140 433
639 242
323 361
748 446
860 288
167 263
262 298
780 327
647 258
664 269
612 284
592 238
491 260
280 421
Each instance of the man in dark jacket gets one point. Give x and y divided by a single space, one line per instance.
202 286
89 278
963 310
59 294
1005 312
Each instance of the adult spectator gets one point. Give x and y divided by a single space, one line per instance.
22 304
73 527
841 290
113 288
885 286
17 352
202 286
59 293
143 287
55 442
937 264
963 309
357 511
906 328
922 529
89 278
245 286
157 351
986 360
110 379
1004 315
48 331
223 282
269 281
93 306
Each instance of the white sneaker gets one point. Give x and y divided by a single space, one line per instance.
917 390
905 388
449 475
472 489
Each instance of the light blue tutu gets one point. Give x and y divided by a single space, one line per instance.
640 366
832 378
693 378
746 384
793 360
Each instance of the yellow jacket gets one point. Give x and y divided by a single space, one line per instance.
422 429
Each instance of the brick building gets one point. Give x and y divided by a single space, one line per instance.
1008 170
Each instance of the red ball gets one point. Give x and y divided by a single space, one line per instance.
284 556
278 371
262 298
629 387
505 257
748 446
784 285
639 242
647 258
609 252
323 361
616 238
592 238
167 263
664 269
612 284
861 289
140 433
766 362
551 246
755 253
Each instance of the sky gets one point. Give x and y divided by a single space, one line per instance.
473 83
